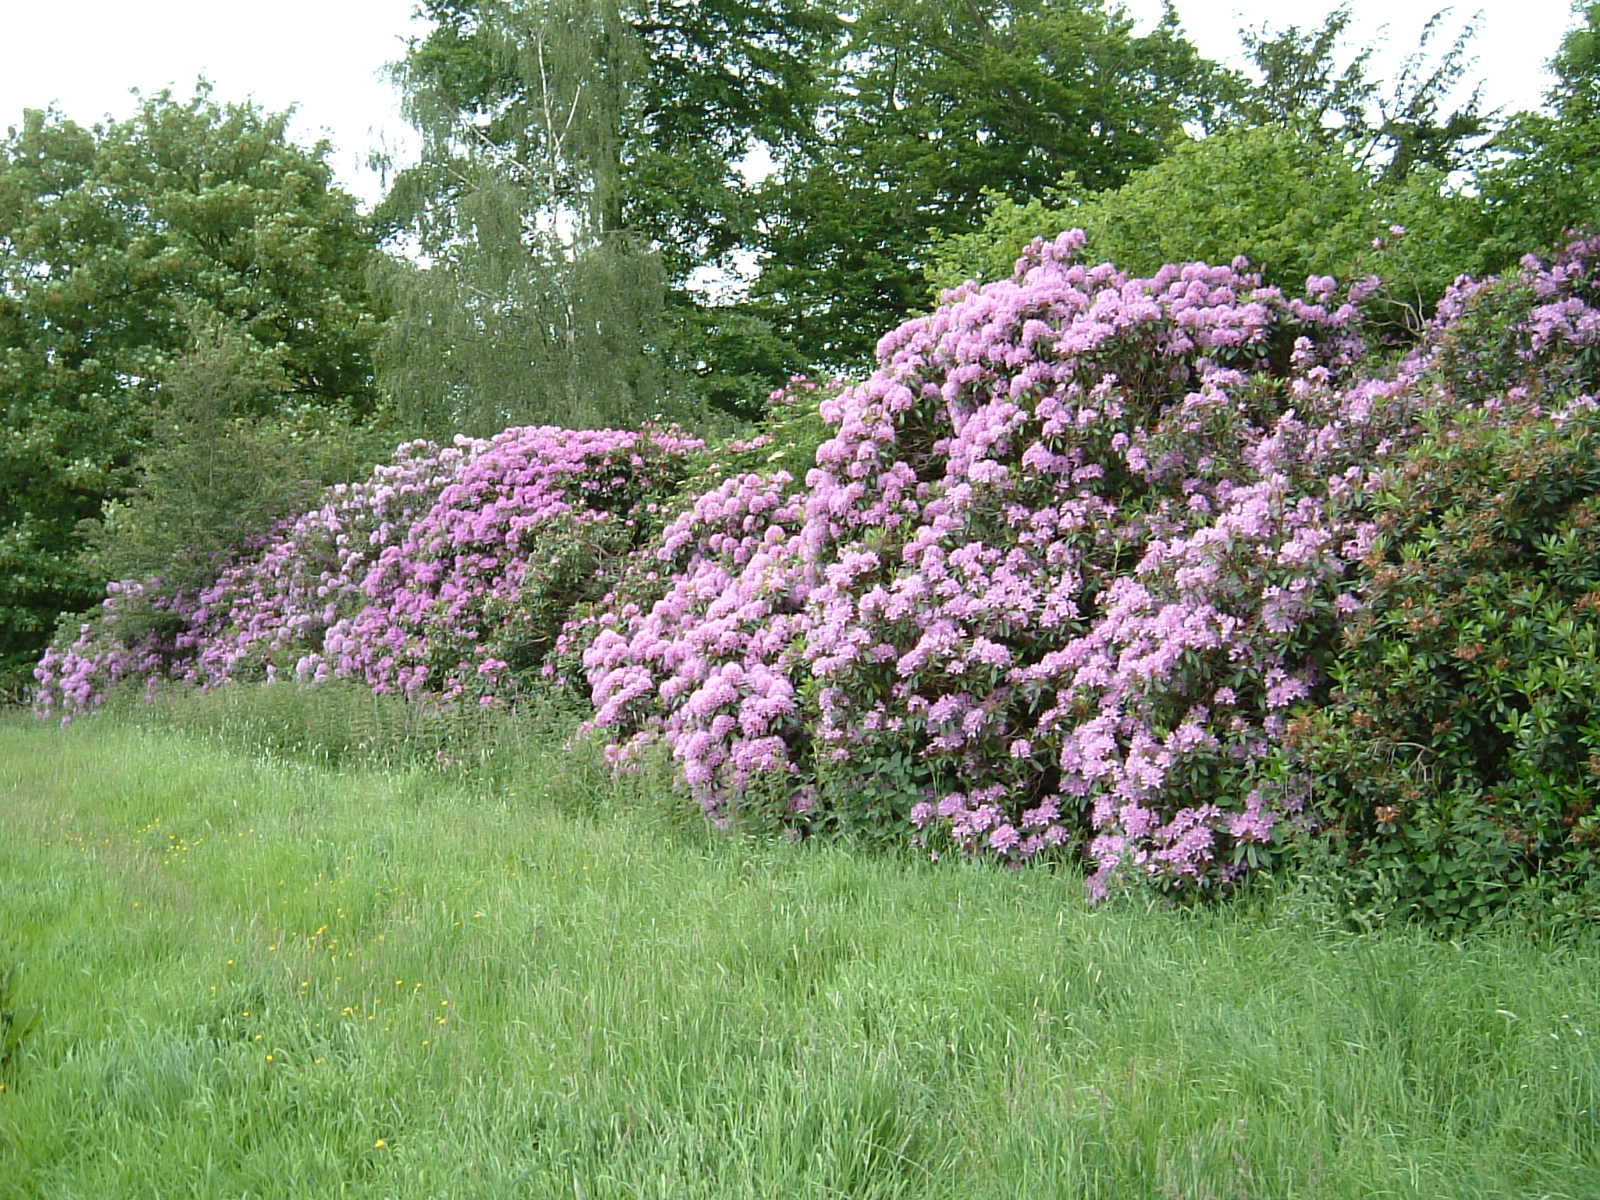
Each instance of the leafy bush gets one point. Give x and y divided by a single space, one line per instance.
1545 178
1290 204
231 456
1459 755
734 488
1061 576
1294 207
481 581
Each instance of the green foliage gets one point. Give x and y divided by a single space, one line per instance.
1442 240
785 438
215 472
1292 207
1545 178
112 241
506 328
537 306
1302 87
1460 755
573 562
580 164
673 96
934 105
1319 163
727 353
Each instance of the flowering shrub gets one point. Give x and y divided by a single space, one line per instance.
479 583
262 612
1075 554
1062 575
1055 572
128 638
437 575
707 522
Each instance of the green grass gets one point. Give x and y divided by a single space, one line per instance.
257 977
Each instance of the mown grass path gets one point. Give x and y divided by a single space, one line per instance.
264 979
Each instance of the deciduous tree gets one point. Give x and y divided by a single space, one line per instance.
936 103
111 237
1546 177
581 172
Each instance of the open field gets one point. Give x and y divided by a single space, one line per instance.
261 978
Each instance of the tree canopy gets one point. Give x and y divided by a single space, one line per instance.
113 239
580 166
932 105
1305 82
1320 165
535 304
1545 175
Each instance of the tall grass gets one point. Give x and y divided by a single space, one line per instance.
343 723
258 974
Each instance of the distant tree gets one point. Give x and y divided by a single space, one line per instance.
112 240
230 452
1292 206
536 305
1545 177
580 166
1391 129
1322 162
936 103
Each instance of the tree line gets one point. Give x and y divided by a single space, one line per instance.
198 327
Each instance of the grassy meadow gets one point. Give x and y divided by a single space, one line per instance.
260 973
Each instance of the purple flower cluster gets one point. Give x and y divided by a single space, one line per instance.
440 592
703 665
1050 570
129 637
409 580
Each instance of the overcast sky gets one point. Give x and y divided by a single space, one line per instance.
327 56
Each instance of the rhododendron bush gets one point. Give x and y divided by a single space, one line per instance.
431 578
1055 571
1067 565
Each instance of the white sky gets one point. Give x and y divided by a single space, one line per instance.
1515 38
326 56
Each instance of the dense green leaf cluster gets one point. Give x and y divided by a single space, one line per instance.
1292 207
1545 177
1459 758
115 242
933 106
1319 171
